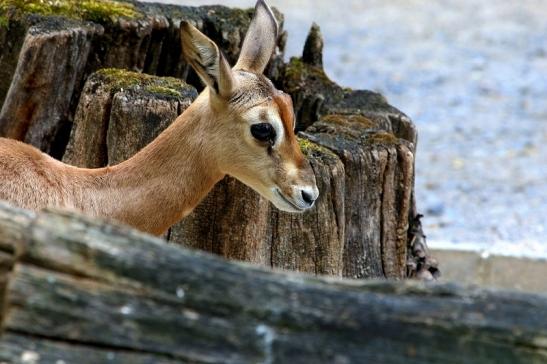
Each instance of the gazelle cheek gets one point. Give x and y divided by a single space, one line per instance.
291 170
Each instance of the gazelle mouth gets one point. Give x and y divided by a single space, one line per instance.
288 202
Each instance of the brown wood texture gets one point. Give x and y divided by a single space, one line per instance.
51 64
120 112
379 180
87 291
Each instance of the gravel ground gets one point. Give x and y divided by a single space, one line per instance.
473 76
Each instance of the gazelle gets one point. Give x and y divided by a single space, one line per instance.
239 125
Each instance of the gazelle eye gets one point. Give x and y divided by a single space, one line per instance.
263 132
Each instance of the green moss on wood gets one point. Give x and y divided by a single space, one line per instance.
118 79
162 90
93 10
382 137
298 70
345 119
310 148
4 21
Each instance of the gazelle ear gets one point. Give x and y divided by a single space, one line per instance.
259 43
206 59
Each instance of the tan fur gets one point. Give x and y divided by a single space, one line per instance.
164 181
151 191
260 40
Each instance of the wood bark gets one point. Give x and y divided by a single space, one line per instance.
87 144
379 176
83 290
51 63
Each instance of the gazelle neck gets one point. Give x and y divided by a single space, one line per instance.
164 181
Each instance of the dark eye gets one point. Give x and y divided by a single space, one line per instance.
263 132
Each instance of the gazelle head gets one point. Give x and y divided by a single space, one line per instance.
252 135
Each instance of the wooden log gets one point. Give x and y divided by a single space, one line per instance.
106 287
25 349
155 323
232 221
317 97
87 143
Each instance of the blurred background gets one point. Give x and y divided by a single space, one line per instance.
473 77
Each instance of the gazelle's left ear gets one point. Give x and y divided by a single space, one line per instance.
260 41
206 59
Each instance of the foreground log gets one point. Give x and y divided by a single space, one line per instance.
84 291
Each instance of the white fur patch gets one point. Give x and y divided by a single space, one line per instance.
291 169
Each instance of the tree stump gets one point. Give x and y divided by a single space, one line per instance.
379 177
53 57
84 291
120 112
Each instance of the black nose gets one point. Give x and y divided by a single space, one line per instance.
307 197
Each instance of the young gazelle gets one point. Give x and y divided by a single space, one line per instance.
239 125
